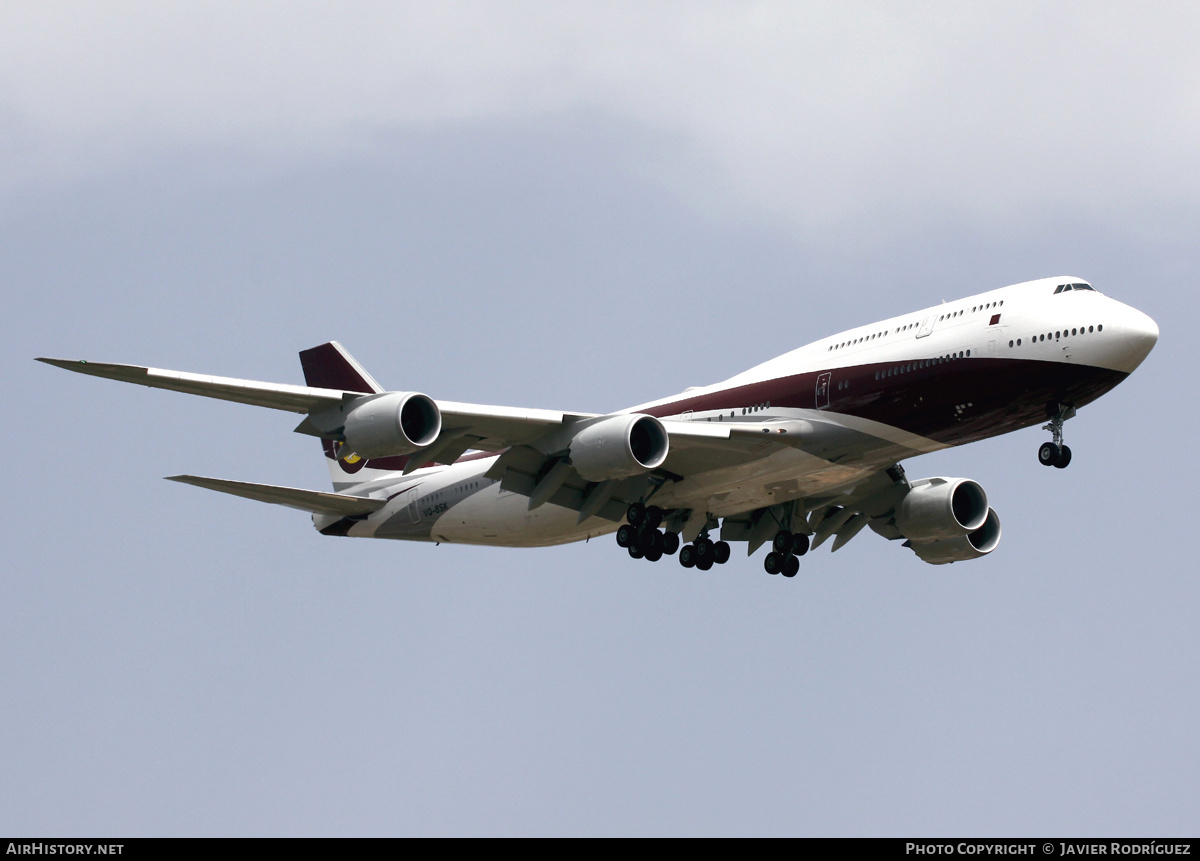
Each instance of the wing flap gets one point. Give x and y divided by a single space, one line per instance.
316 501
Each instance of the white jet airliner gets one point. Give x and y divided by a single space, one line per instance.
801 449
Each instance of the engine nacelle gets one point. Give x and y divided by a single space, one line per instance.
619 447
936 509
391 424
980 542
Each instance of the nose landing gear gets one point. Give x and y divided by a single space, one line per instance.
1056 453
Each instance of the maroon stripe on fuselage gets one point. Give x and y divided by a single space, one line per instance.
952 401
949 400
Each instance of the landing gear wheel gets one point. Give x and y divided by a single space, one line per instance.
704 564
670 543
1049 454
791 567
782 543
654 554
799 544
687 556
704 551
654 517
721 552
773 563
636 552
645 540
626 535
1056 453
635 514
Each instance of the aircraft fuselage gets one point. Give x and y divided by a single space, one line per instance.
864 399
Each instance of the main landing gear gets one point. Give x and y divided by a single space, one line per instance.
1055 453
641 536
643 539
785 548
703 553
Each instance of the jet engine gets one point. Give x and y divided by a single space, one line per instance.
980 542
391 424
619 447
935 509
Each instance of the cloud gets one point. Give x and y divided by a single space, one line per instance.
819 115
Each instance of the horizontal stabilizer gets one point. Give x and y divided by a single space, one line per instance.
316 501
278 396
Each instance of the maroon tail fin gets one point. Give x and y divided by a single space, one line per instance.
329 366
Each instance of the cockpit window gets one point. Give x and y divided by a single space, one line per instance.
1077 285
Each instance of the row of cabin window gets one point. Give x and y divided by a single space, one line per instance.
436 495
766 405
1037 339
851 343
913 325
974 309
924 363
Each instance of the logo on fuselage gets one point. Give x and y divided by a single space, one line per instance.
351 464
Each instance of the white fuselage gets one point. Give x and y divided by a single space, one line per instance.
905 386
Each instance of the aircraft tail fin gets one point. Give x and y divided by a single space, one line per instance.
318 502
331 365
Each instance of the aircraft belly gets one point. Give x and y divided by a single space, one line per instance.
835 449
503 519
782 476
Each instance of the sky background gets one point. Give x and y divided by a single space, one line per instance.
580 206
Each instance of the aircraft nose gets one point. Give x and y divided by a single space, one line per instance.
1140 334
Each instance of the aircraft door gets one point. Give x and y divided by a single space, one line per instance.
822 394
926 326
994 335
409 498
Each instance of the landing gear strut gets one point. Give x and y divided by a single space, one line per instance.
1056 453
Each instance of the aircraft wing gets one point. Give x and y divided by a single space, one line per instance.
532 440
695 446
480 426
491 428
277 396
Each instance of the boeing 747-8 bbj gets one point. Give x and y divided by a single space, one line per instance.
797 451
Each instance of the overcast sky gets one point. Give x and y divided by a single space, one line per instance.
580 206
